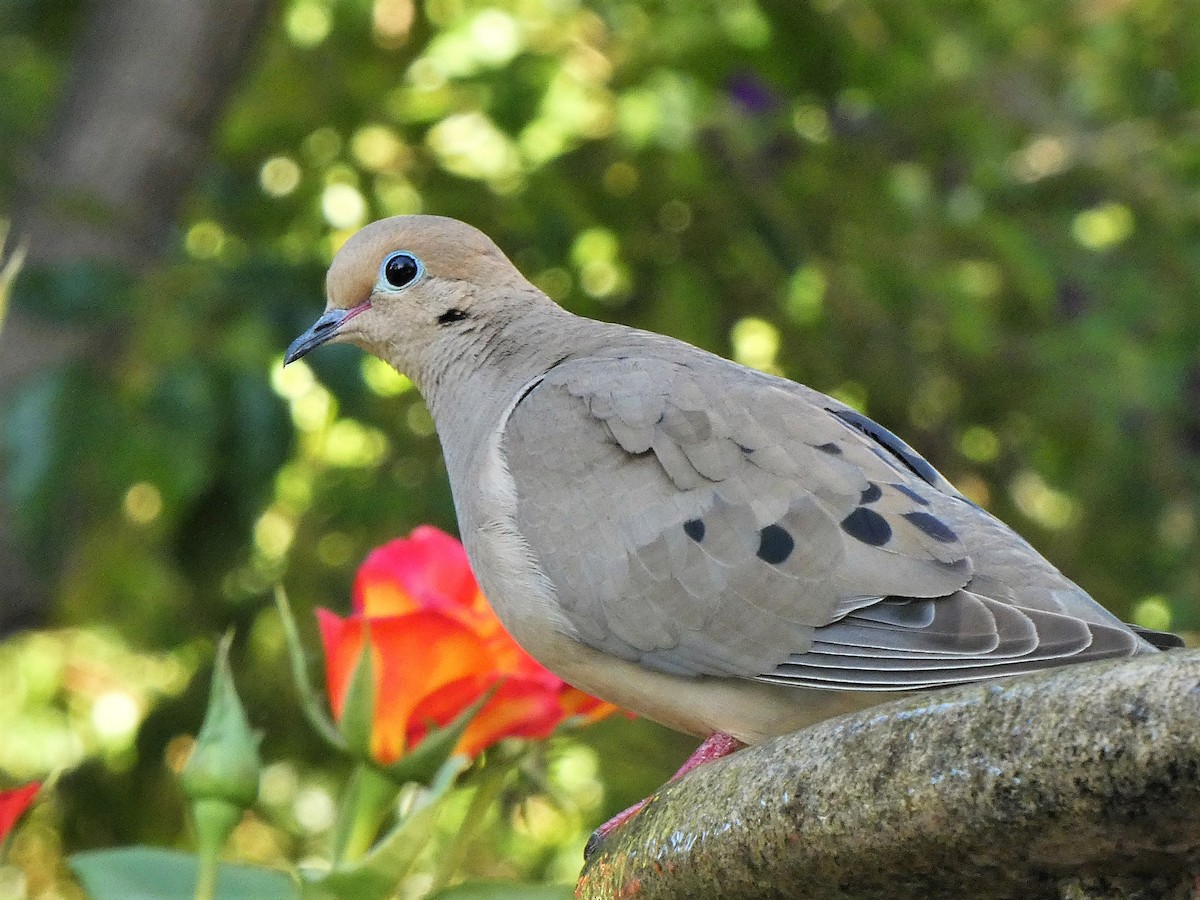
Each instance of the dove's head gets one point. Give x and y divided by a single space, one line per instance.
402 288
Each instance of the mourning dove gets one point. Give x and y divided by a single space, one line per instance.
686 537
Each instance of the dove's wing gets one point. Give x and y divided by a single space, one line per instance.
703 519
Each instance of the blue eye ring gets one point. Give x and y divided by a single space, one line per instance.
400 269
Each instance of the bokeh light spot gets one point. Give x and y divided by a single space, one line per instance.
293 381
745 24
805 295
910 185
397 197
418 420
392 20
278 784
273 534
755 343
1104 226
314 410
377 147
1045 156
322 146
143 503
979 278
382 380
554 282
811 122
979 444
1153 612
675 216
594 245
470 145
205 240
599 278
350 444
1050 508
343 206
115 716
308 23
314 809
496 36
279 176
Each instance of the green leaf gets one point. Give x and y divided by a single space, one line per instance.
377 874
432 753
151 873
505 890
367 800
311 703
358 712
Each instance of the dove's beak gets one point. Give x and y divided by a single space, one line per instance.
322 330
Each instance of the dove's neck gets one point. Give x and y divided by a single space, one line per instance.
471 379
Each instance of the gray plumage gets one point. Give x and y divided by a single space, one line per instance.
612 455
668 528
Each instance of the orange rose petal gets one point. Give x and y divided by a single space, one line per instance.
342 640
444 705
414 656
517 709
377 591
510 659
575 702
437 645
428 569
418 654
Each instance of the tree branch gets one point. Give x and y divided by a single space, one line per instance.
1078 782
149 80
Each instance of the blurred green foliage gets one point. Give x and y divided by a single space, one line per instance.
977 221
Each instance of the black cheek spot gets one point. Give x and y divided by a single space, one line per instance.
867 526
932 526
911 494
694 528
451 315
775 544
871 494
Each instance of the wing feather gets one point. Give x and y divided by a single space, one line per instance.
703 519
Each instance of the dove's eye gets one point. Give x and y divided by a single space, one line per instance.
401 269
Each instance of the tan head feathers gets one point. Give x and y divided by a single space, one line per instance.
447 248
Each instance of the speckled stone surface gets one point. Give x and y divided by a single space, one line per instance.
1081 782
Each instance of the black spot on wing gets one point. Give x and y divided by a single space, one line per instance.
871 494
867 526
900 450
831 448
694 528
932 526
775 544
911 494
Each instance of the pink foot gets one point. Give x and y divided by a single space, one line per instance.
713 747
